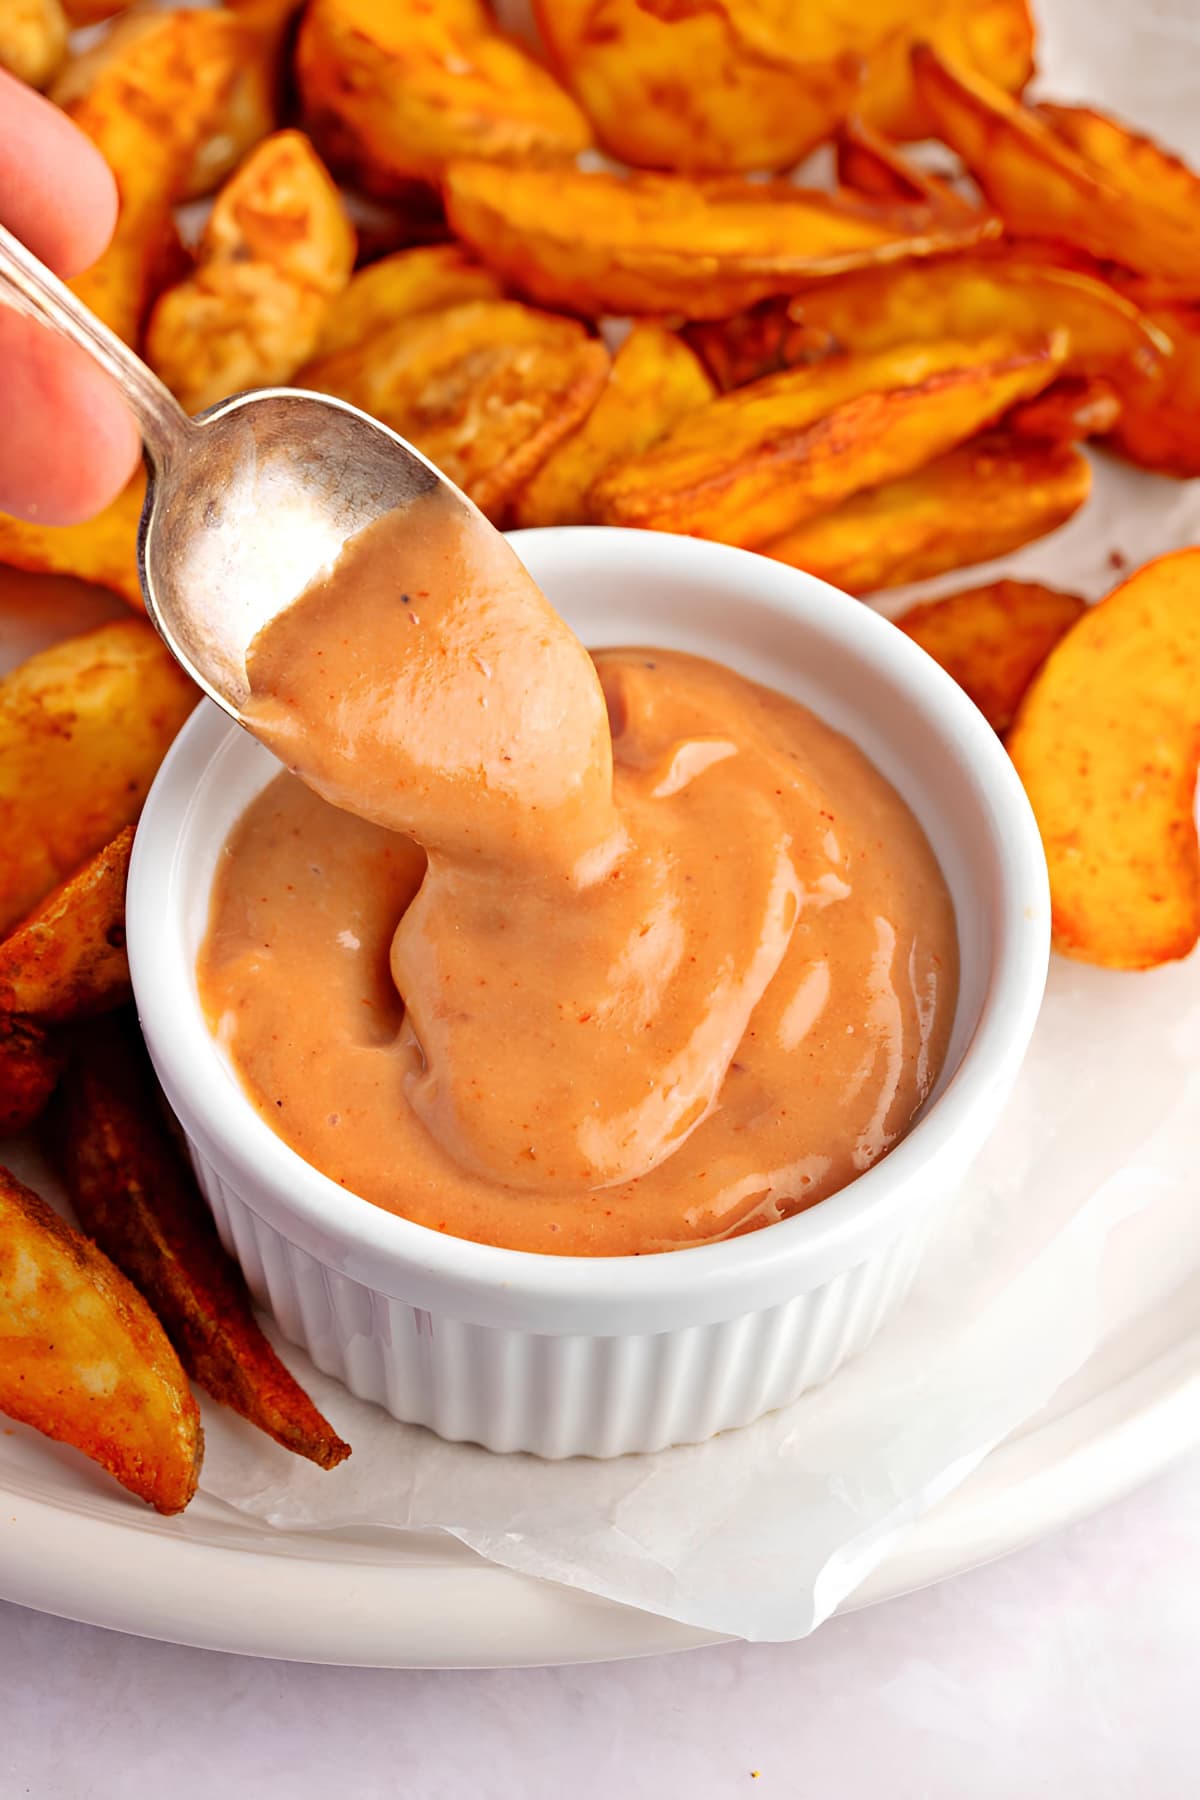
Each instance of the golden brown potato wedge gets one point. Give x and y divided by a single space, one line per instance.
983 500
1134 162
67 959
236 68
426 279
756 462
103 549
596 243
994 36
1107 743
1044 188
976 295
134 1194
486 389
871 164
1159 426
33 39
30 1064
993 639
276 250
655 380
155 97
714 85
392 90
85 1360
1077 407
83 728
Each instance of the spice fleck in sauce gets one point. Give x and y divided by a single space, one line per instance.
589 955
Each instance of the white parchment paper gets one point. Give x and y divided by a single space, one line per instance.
762 1532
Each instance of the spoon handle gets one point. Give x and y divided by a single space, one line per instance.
28 287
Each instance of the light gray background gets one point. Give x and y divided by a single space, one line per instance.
1068 1671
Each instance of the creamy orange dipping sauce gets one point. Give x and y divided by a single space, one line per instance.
590 955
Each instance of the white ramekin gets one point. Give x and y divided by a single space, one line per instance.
596 1356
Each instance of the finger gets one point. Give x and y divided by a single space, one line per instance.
76 444
57 193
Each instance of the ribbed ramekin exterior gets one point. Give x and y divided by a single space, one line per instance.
557 1396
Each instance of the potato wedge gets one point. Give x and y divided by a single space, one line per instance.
91 12
85 1361
486 389
83 728
983 500
993 639
1078 407
1107 743
103 549
706 85
977 295
427 279
134 1194
30 1064
871 164
595 243
1134 162
33 40
156 96
757 462
236 63
655 380
1043 188
392 90
67 959
276 250
994 36
1159 426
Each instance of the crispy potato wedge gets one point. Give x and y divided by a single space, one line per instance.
103 549
871 164
426 279
83 728
983 500
993 639
134 1194
276 250
763 340
486 389
155 97
33 40
1159 426
994 36
655 380
1079 406
85 1360
30 1064
235 62
91 12
392 90
1134 162
67 959
595 243
1044 188
755 463
977 295
706 85
1107 743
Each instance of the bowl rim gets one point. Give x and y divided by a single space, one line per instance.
383 1249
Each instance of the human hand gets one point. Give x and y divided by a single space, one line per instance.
68 443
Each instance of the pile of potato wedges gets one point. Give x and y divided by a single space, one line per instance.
583 277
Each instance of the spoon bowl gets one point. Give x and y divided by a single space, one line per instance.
245 505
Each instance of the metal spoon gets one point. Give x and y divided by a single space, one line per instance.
246 504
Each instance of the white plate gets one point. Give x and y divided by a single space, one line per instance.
72 1543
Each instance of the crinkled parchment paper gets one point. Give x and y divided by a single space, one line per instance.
762 1532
